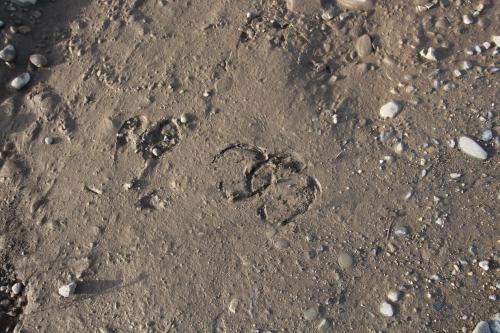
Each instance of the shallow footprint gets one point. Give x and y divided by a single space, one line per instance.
235 167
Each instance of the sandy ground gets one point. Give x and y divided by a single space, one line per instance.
225 166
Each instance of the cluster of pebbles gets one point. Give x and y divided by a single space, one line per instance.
12 301
9 53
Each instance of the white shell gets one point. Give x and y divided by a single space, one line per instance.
356 4
472 148
389 110
21 81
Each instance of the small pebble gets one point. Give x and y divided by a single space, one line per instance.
233 305
311 314
282 244
345 260
394 295
496 40
487 135
324 324
356 4
67 290
429 54
401 231
8 53
49 140
482 327
471 148
454 175
390 110
468 19
364 46
386 309
485 265
21 81
17 288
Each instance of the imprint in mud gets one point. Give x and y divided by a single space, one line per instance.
276 182
150 142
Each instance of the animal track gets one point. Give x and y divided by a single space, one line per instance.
277 182
151 142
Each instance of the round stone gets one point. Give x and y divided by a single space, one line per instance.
67 290
311 314
38 60
364 46
389 110
17 288
401 231
345 260
386 309
394 295
49 140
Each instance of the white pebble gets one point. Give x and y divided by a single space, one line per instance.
485 265
386 309
390 110
67 290
21 81
394 295
455 175
429 54
487 135
17 288
467 19
496 40
233 305
472 148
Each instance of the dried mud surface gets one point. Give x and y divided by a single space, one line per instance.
223 166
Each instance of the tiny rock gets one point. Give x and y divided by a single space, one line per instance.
364 46
386 309
67 290
233 305
303 6
429 54
8 53
21 81
485 265
17 288
472 148
496 40
311 314
345 260
389 110
394 295
356 4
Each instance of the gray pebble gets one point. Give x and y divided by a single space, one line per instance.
8 53
401 231
2 24
487 135
482 327
17 288
364 46
311 314
49 140
345 260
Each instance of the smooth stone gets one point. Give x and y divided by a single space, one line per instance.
386 309
49 140
401 231
38 60
487 135
496 40
394 295
356 4
472 148
311 314
21 81
485 265
324 325
17 288
8 53
304 6
345 260
364 46
482 327
67 290
389 110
